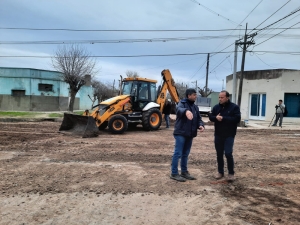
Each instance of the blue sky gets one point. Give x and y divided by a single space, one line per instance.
154 22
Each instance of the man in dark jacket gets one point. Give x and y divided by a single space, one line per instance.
226 116
188 121
167 112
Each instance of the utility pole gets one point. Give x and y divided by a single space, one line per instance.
207 67
120 85
245 45
195 84
234 74
113 88
222 84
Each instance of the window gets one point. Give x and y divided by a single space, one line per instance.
143 90
257 106
45 87
18 93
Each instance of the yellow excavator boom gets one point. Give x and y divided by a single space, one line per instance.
168 85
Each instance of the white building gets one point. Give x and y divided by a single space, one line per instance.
263 88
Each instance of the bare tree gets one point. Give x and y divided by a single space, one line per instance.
74 62
181 88
202 92
130 73
102 91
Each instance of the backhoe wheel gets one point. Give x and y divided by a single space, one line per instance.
117 124
152 119
103 125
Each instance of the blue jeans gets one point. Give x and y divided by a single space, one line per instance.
167 118
224 145
182 150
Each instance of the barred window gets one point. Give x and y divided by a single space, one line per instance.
45 87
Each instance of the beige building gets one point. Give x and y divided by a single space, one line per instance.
263 88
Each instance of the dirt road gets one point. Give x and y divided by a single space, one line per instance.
51 178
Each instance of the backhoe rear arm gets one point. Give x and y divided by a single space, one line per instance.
168 85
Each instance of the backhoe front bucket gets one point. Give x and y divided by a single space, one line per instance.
84 126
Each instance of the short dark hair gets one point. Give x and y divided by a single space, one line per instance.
227 93
280 100
189 91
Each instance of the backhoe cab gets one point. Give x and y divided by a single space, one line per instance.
138 103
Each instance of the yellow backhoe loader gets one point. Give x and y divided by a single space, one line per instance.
140 102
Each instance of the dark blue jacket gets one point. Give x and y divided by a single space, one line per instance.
184 126
231 117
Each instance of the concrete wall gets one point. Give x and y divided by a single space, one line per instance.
273 83
39 100
35 103
83 95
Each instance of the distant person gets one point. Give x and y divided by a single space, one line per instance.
226 116
167 112
188 121
280 108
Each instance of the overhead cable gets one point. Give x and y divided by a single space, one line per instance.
296 36
210 10
291 13
154 55
274 35
270 16
115 30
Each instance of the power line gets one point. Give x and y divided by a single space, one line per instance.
219 64
210 10
205 61
235 28
157 55
239 25
267 33
296 10
263 61
115 30
296 36
274 35
270 16
291 13
251 11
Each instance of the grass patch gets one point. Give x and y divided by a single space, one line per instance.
54 115
35 114
79 113
19 114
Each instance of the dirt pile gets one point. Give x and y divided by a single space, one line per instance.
51 178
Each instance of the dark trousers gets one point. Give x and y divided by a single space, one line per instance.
224 145
279 116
